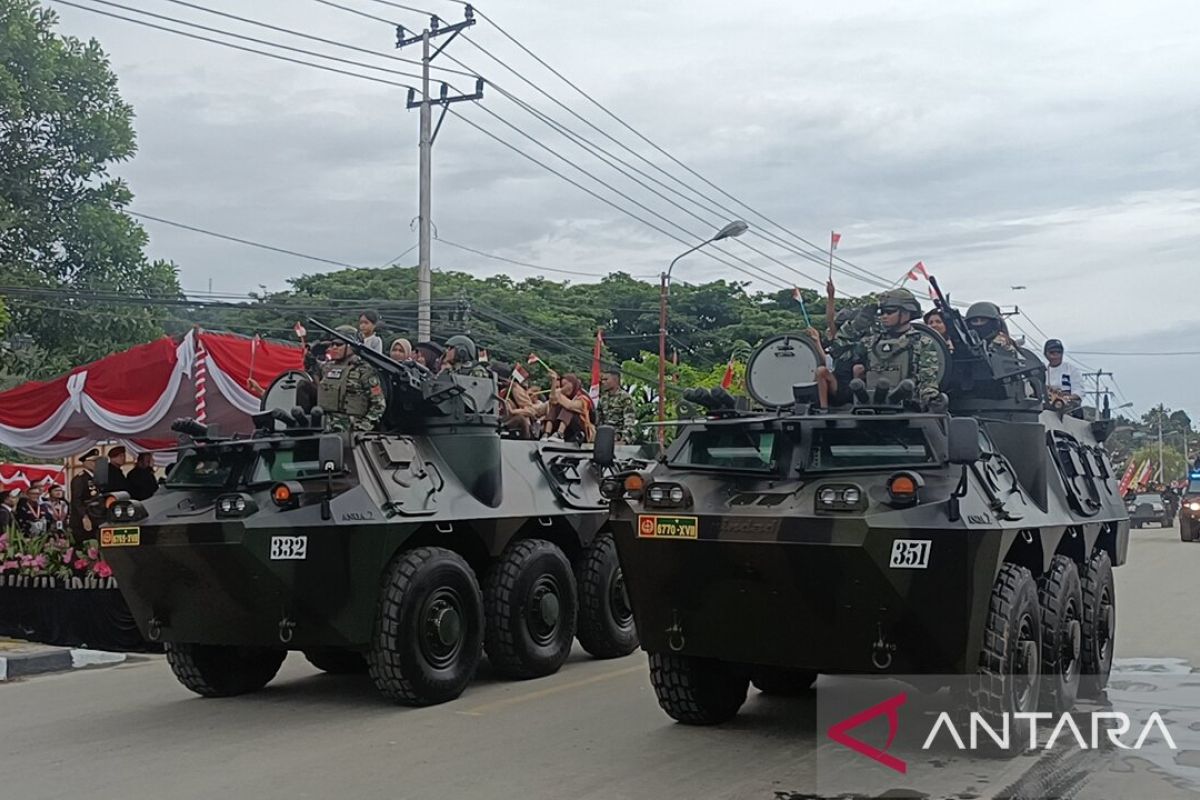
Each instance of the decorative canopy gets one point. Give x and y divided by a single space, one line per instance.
134 396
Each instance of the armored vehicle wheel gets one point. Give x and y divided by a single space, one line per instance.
697 691
530 604
606 628
337 660
1061 597
1010 664
214 670
429 628
781 682
1099 624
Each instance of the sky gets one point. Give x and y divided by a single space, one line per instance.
1050 146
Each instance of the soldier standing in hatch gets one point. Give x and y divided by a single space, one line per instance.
462 356
988 323
349 390
882 339
617 408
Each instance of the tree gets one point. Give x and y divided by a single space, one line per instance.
62 220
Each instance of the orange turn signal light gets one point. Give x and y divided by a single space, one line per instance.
281 494
110 501
902 486
634 483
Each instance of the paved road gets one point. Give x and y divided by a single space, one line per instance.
592 731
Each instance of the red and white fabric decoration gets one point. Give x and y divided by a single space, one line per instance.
594 390
200 381
21 476
133 396
918 269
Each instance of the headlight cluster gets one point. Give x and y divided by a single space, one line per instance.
842 497
1193 506
121 509
235 505
667 495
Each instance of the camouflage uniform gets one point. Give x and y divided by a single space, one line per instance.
618 409
351 395
892 355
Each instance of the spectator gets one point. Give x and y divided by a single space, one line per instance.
401 350
935 320
1063 380
141 480
429 355
56 508
8 510
367 321
116 478
29 512
569 415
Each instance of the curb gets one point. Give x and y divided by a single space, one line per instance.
20 665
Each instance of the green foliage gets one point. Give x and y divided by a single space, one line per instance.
62 223
1175 467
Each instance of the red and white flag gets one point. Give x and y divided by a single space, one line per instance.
918 269
835 238
796 295
533 359
1147 471
594 391
483 357
300 330
1127 478
727 378
520 374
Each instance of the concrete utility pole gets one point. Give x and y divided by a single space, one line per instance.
428 135
1098 374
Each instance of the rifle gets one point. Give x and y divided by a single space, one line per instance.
961 336
405 378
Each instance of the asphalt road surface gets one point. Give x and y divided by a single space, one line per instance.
592 731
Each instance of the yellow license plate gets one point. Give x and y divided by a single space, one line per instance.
652 526
120 537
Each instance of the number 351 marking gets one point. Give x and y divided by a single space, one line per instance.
910 554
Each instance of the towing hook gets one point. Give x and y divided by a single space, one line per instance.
286 629
675 638
881 652
154 629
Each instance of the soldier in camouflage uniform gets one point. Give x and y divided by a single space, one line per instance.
462 356
986 320
882 339
618 409
349 390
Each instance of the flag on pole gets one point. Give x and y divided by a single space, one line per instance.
483 357
520 374
1127 478
803 311
533 359
594 391
300 330
727 378
200 381
835 239
918 269
1147 471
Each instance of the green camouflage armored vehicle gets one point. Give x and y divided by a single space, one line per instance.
403 553
877 539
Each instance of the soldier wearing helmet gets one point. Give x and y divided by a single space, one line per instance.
882 339
462 356
988 323
349 390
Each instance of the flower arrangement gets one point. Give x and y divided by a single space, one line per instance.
50 559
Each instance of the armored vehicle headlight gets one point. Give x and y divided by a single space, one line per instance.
239 505
235 505
226 505
118 511
851 496
656 494
634 483
676 494
904 488
828 496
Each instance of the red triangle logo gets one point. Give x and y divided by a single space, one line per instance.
839 732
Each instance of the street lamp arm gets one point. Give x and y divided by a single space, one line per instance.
685 253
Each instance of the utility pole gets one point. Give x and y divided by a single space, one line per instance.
1098 374
1160 445
428 135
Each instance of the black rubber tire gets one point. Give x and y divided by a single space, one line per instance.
337 660
213 670
1099 625
780 682
420 588
697 691
606 628
1011 646
1189 530
1060 594
514 644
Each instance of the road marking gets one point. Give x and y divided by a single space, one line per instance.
480 710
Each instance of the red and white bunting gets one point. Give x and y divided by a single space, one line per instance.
200 381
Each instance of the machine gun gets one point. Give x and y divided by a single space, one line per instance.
962 337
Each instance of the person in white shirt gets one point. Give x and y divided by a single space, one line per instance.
367 321
1063 381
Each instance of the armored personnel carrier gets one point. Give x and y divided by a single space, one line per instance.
404 553
878 539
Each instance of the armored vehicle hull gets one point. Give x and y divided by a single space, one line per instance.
776 547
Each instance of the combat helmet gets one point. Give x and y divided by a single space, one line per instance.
984 310
467 350
901 298
350 331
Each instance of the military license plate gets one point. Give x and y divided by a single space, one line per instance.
289 548
652 526
120 537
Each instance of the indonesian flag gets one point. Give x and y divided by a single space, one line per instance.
520 374
533 359
483 357
727 378
834 239
1147 471
918 269
300 330
796 295
1127 478
594 391
254 345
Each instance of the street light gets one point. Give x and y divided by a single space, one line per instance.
735 228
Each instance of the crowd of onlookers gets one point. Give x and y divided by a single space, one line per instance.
38 509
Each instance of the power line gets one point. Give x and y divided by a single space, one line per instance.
515 261
1162 353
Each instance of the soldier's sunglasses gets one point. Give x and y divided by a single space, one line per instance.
889 310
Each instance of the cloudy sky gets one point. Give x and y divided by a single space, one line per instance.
1054 146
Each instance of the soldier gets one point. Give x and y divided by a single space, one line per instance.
882 339
349 390
83 492
986 320
617 408
462 356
